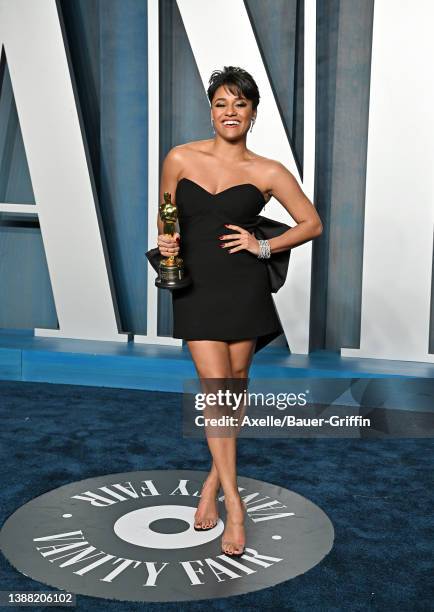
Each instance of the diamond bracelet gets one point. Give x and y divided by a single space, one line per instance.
264 249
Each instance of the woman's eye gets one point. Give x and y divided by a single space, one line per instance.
242 104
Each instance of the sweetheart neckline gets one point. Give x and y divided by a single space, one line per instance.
184 178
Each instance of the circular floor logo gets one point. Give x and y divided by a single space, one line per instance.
130 537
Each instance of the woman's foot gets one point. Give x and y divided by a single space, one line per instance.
206 516
234 538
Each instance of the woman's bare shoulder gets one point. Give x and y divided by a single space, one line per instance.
194 146
264 166
182 152
182 156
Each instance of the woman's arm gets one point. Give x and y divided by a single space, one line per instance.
170 171
285 188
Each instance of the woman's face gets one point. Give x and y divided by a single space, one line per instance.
227 107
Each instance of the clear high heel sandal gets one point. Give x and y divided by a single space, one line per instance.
204 521
234 544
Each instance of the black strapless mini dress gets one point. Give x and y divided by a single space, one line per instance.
230 295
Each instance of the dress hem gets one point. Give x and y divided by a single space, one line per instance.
261 339
230 338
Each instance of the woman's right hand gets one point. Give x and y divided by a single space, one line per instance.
168 245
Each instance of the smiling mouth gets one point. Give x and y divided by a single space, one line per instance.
231 125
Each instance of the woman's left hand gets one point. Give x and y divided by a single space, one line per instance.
243 241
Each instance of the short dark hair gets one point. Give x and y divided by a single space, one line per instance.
239 82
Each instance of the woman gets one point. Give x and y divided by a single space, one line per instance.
219 185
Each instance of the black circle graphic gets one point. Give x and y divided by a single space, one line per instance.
169 525
130 537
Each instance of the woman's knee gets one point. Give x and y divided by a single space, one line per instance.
241 372
212 372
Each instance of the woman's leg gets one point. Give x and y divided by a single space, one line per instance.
241 355
211 360
216 359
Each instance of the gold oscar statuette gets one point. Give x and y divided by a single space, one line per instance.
172 274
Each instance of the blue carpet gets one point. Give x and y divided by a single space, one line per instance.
378 493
